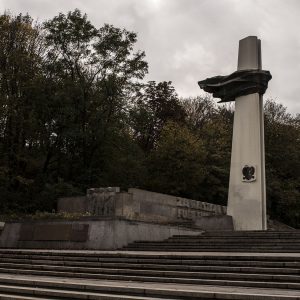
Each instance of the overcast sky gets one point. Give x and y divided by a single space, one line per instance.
189 40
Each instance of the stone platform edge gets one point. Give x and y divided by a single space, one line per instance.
101 234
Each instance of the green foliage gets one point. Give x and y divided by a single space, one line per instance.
75 113
214 126
65 89
156 104
282 163
177 166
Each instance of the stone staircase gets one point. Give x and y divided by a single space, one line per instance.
226 241
164 273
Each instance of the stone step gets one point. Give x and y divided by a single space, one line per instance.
54 293
196 248
69 289
227 274
93 261
234 250
216 245
253 232
242 238
233 245
158 262
247 233
157 265
113 256
226 242
244 235
212 249
250 232
238 239
176 261
18 297
211 243
140 278
212 246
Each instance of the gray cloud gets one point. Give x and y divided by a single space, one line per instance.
189 40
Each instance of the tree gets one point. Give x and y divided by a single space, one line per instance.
213 125
96 71
282 140
65 89
177 166
21 56
156 104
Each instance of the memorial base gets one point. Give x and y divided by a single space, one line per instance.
104 234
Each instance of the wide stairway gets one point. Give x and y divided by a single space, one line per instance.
164 273
226 241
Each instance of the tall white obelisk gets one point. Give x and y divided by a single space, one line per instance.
247 187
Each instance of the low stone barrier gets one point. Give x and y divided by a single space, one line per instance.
105 234
139 205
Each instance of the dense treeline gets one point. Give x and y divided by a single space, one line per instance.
75 113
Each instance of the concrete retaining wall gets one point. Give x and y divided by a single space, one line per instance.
215 223
140 205
153 204
106 234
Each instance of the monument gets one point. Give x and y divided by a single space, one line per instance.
108 218
247 186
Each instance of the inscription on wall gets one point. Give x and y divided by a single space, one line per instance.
191 209
146 206
192 214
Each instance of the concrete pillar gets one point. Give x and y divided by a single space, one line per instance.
247 194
